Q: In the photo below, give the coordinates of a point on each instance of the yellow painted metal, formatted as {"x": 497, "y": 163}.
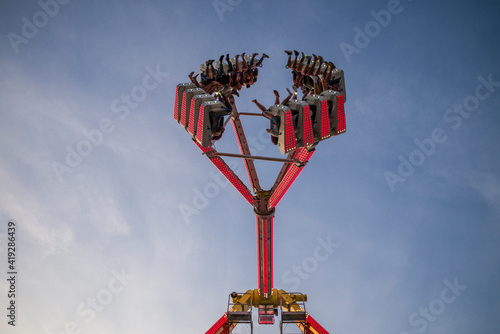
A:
{"x": 274, "y": 299}
{"x": 310, "y": 329}
{"x": 264, "y": 194}
{"x": 241, "y": 303}
{"x": 291, "y": 302}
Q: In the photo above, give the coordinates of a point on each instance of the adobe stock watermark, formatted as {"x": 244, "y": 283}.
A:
{"x": 95, "y": 137}
{"x": 421, "y": 318}
{"x": 373, "y": 28}
{"x": 454, "y": 117}
{"x": 86, "y": 311}
{"x": 30, "y": 28}
{"x": 297, "y": 273}
{"x": 201, "y": 198}
{"x": 222, "y": 6}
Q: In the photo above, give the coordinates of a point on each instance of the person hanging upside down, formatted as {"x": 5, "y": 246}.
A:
{"x": 217, "y": 123}
{"x": 274, "y": 129}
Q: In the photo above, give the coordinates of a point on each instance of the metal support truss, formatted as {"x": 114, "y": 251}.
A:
{"x": 227, "y": 172}
{"x": 245, "y": 150}
{"x": 254, "y": 157}
{"x": 265, "y": 254}
{"x": 265, "y": 298}
{"x": 292, "y": 307}
{"x": 288, "y": 174}
{"x": 221, "y": 326}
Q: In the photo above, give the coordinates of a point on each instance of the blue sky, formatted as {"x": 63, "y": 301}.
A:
{"x": 409, "y": 195}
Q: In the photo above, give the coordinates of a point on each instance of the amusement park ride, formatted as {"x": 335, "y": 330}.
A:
{"x": 302, "y": 124}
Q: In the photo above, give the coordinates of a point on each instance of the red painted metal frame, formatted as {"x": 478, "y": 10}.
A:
{"x": 245, "y": 150}
{"x": 265, "y": 221}
{"x": 325, "y": 120}
{"x": 183, "y": 109}
{"x": 288, "y": 177}
{"x": 266, "y": 315}
{"x": 199, "y": 130}
{"x": 265, "y": 226}
{"x": 312, "y": 326}
{"x": 176, "y": 104}
{"x": 265, "y": 255}
{"x": 307, "y": 126}
{"x": 341, "y": 116}
{"x": 222, "y": 326}
{"x": 290, "y": 143}
{"x": 191, "y": 117}
{"x": 228, "y": 173}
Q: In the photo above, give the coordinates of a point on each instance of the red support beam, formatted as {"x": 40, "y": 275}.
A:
{"x": 245, "y": 150}
{"x": 291, "y": 173}
{"x": 265, "y": 231}
{"x": 312, "y": 326}
{"x": 228, "y": 173}
{"x": 221, "y": 326}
